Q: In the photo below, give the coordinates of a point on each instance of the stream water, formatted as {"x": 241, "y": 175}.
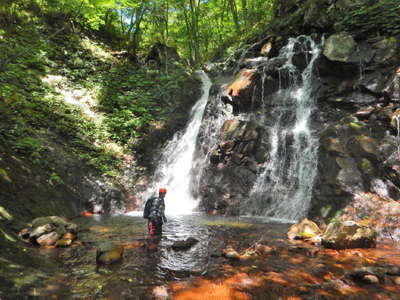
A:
{"x": 150, "y": 267}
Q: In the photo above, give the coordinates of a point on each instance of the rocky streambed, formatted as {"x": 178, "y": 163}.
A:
{"x": 267, "y": 265}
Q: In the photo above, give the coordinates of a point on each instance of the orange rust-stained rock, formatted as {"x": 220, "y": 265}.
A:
{"x": 86, "y": 213}
{"x": 239, "y": 93}
{"x": 397, "y": 280}
{"x": 266, "y": 48}
{"x": 242, "y": 81}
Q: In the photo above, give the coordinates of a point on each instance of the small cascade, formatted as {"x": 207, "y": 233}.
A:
{"x": 174, "y": 171}
{"x": 284, "y": 185}
{"x": 207, "y": 141}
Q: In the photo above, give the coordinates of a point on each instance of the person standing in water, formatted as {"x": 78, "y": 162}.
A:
{"x": 154, "y": 212}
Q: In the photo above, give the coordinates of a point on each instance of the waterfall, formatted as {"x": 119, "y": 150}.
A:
{"x": 175, "y": 170}
{"x": 283, "y": 188}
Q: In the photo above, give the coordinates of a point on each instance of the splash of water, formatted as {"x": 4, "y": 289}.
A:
{"x": 283, "y": 189}
{"x": 174, "y": 171}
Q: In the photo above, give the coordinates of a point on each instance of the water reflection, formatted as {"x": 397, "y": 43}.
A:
{"x": 151, "y": 262}
{"x": 179, "y": 264}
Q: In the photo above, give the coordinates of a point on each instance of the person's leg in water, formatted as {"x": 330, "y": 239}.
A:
{"x": 151, "y": 227}
{"x": 155, "y": 232}
{"x": 158, "y": 228}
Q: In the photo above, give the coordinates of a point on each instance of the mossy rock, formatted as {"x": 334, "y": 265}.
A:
{"x": 366, "y": 166}
{"x": 363, "y": 146}
{"x": 340, "y": 47}
{"x": 63, "y": 243}
{"x": 334, "y": 145}
{"x": 348, "y": 234}
{"x": 387, "y": 50}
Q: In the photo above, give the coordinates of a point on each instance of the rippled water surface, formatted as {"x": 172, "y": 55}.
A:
{"x": 151, "y": 267}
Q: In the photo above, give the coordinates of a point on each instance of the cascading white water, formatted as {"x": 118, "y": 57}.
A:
{"x": 174, "y": 171}
{"x": 283, "y": 189}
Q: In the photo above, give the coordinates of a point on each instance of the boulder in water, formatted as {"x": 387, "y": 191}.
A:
{"x": 348, "y": 234}
{"x": 230, "y": 253}
{"x": 184, "y": 245}
{"x": 303, "y": 230}
{"x": 110, "y": 256}
{"x": 53, "y": 220}
{"x": 46, "y": 231}
{"x": 63, "y": 243}
{"x": 368, "y": 274}
{"x": 48, "y": 239}
{"x": 40, "y": 230}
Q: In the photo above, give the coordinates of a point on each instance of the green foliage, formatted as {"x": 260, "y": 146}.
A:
{"x": 196, "y": 28}
{"x": 30, "y": 145}
{"x": 382, "y": 17}
{"x": 133, "y": 98}
{"x": 33, "y": 114}
{"x": 55, "y": 179}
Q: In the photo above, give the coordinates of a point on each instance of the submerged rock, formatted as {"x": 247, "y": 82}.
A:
{"x": 110, "y": 256}
{"x": 348, "y": 234}
{"x": 184, "y": 245}
{"x": 368, "y": 274}
{"x": 230, "y": 253}
{"x": 265, "y": 250}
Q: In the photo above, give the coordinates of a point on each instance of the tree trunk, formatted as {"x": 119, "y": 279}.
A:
{"x": 235, "y": 15}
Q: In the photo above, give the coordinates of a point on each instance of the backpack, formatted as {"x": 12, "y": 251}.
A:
{"x": 147, "y": 207}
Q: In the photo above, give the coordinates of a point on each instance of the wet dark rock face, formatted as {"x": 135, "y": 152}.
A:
{"x": 233, "y": 168}
{"x": 28, "y": 190}
{"x": 358, "y": 98}
{"x": 240, "y": 145}
{"x": 358, "y": 144}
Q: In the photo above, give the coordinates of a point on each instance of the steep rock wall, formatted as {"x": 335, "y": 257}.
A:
{"x": 357, "y": 89}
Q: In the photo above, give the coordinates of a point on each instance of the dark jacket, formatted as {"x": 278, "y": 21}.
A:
{"x": 157, "y": 210}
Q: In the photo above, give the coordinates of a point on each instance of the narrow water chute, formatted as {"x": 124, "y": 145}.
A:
{"x": 174, "y": 170}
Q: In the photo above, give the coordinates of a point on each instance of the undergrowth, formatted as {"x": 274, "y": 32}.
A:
{"x": 383, "y": 17}
{"x": 34, "y": 114}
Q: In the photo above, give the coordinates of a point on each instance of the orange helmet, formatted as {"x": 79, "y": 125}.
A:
{"x": 162, "y": 190}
